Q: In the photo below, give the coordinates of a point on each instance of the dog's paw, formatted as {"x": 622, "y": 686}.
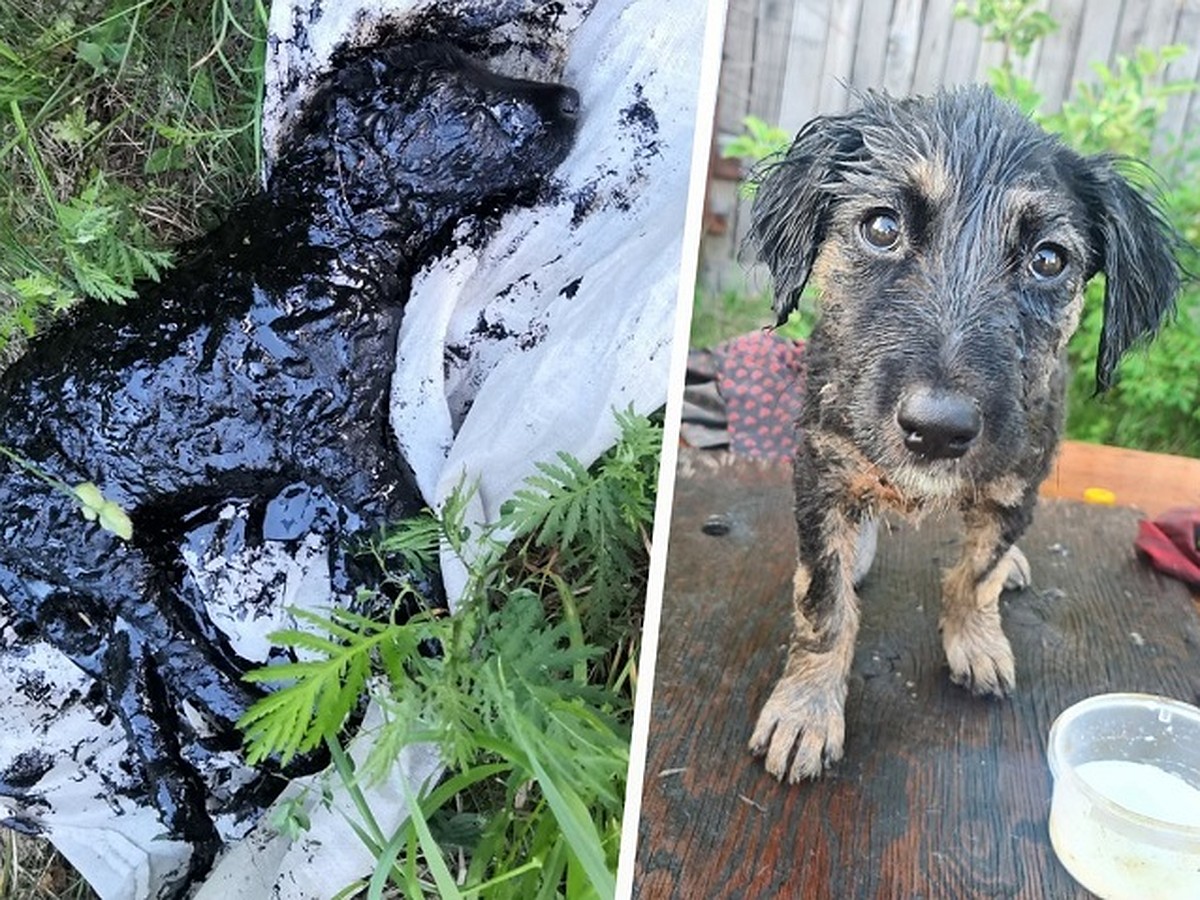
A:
{"x": 980, "y": 657}
{"x": 1019, "y": 576}
{"x": 800, "y": 730}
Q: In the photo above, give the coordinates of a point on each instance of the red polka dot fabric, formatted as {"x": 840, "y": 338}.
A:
{"x": 760, "y": 377}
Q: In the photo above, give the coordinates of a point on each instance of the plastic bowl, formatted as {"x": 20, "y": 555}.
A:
{"x": 1125, "y": 813}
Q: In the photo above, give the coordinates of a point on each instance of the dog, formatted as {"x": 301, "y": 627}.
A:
{"x": 951, "y": 239}
{"x": 257, "y": 372}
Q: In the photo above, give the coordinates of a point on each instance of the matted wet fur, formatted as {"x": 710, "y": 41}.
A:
{"x": 951, "y": 239}
{"x": 257, "y": 373}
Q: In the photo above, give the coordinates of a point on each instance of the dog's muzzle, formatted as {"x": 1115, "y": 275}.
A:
{"x": 938, "y": 424}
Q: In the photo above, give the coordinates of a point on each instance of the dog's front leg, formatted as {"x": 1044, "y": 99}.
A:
{"x": 801, "y": 727}
{"x": 978, "y": 652}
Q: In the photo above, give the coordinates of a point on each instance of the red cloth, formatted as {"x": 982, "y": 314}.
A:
{"x": 760, "y": 376}
{"x": 1171, "y": 543}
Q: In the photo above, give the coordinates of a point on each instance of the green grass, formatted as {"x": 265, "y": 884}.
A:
{"x": 718, "y": 316}
{"x": 126, "y": 127}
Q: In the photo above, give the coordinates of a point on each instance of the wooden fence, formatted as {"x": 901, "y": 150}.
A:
{"x": 785, "y": 61}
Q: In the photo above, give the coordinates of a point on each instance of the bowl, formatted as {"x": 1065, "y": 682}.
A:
{"x": 1125, "y": 812}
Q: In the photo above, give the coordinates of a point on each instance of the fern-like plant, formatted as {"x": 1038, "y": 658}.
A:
{"x": 529, "y": 698}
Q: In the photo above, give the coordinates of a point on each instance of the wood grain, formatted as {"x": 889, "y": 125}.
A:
{"x": 1149, "y": 482}
{"x": 940, "y": 795}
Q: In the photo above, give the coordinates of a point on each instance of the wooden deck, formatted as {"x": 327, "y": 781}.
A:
{"x": 1149, "y": 482}
{"x": 940, "y": 794}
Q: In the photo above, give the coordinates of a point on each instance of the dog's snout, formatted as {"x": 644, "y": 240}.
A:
{"x": 939, "y": 424}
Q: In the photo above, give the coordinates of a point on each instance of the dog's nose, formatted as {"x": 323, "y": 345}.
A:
{"x": 938, "y": 424}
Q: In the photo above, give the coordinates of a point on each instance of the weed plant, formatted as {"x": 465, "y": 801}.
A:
{"x": 529, "y": 697}
{"x": 126, "y": 127}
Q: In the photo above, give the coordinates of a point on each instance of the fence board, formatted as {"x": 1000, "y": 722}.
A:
{"x": 962, "y": 54}
{"x": 1097, "y": 36}
{"x": 1186, "y": 68}
{"x": 870, "y": 51}
{"x": 839, "y": 55}
{"x": 805, "y": 63}
{"x": 935, "y": 43}
{"x": 903, "y": 41}
{"x": 1150, "y": 23}
{"x": 770, "y": 58}
{"x": 1056, "y": 65}
{"x": 737, "y": 62}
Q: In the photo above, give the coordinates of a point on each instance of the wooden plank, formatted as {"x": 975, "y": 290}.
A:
{"x": 737, "y": 62}
{"x": 770, "y": 58}
{"x": 934, "y": 45}
{"x": 1097, "y": 36}
{"x": 1149, "y": 24}
{"x": 991, "y": 56}
{"x": 805, "y": 63}
{"x": 940, "y": 794}
{"x": 1186, "y": 68}
{"x": 962, "y": 56}
{"x": 903, "y": 40}
{"x": 1152, "y": 28}
{"x": 870, "y": 51}
{"x": 1026, "y": 66}
{"x": 839, "y": 55}
{"x": 1150, "y": 482}
{"x": 1056, "y": 64}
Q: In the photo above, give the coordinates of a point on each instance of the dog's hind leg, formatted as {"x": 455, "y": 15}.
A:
{"x": 979, "y": 654}
{"x": 802, "y": 725}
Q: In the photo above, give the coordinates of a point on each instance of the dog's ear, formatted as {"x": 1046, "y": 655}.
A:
{"x": 1137, "y": 249}
{"x": 791, "y": 208}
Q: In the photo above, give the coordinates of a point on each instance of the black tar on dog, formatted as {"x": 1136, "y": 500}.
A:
{"x": 259, "y": 371}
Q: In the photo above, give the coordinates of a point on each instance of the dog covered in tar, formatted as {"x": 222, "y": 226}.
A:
{"x": 258, "y": 372}
{"x": 951, "y": 239}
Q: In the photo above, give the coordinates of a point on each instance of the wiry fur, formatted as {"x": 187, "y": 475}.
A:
{"x": 955, "y": 308}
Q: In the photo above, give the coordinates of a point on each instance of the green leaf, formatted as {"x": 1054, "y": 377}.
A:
{"x": 94, "y": 507}
{"x": 93, "y": 55}
{"x": 166, "y": 159}
{"x": 114, "y": 519}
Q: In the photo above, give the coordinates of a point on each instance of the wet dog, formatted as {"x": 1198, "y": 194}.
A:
{"x": 258, "y": 372}
{"x": 951, "y": 239}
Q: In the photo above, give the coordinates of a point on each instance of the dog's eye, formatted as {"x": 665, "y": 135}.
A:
{"x": 880, "y": 229}
{"x": 1048, "y": 261}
